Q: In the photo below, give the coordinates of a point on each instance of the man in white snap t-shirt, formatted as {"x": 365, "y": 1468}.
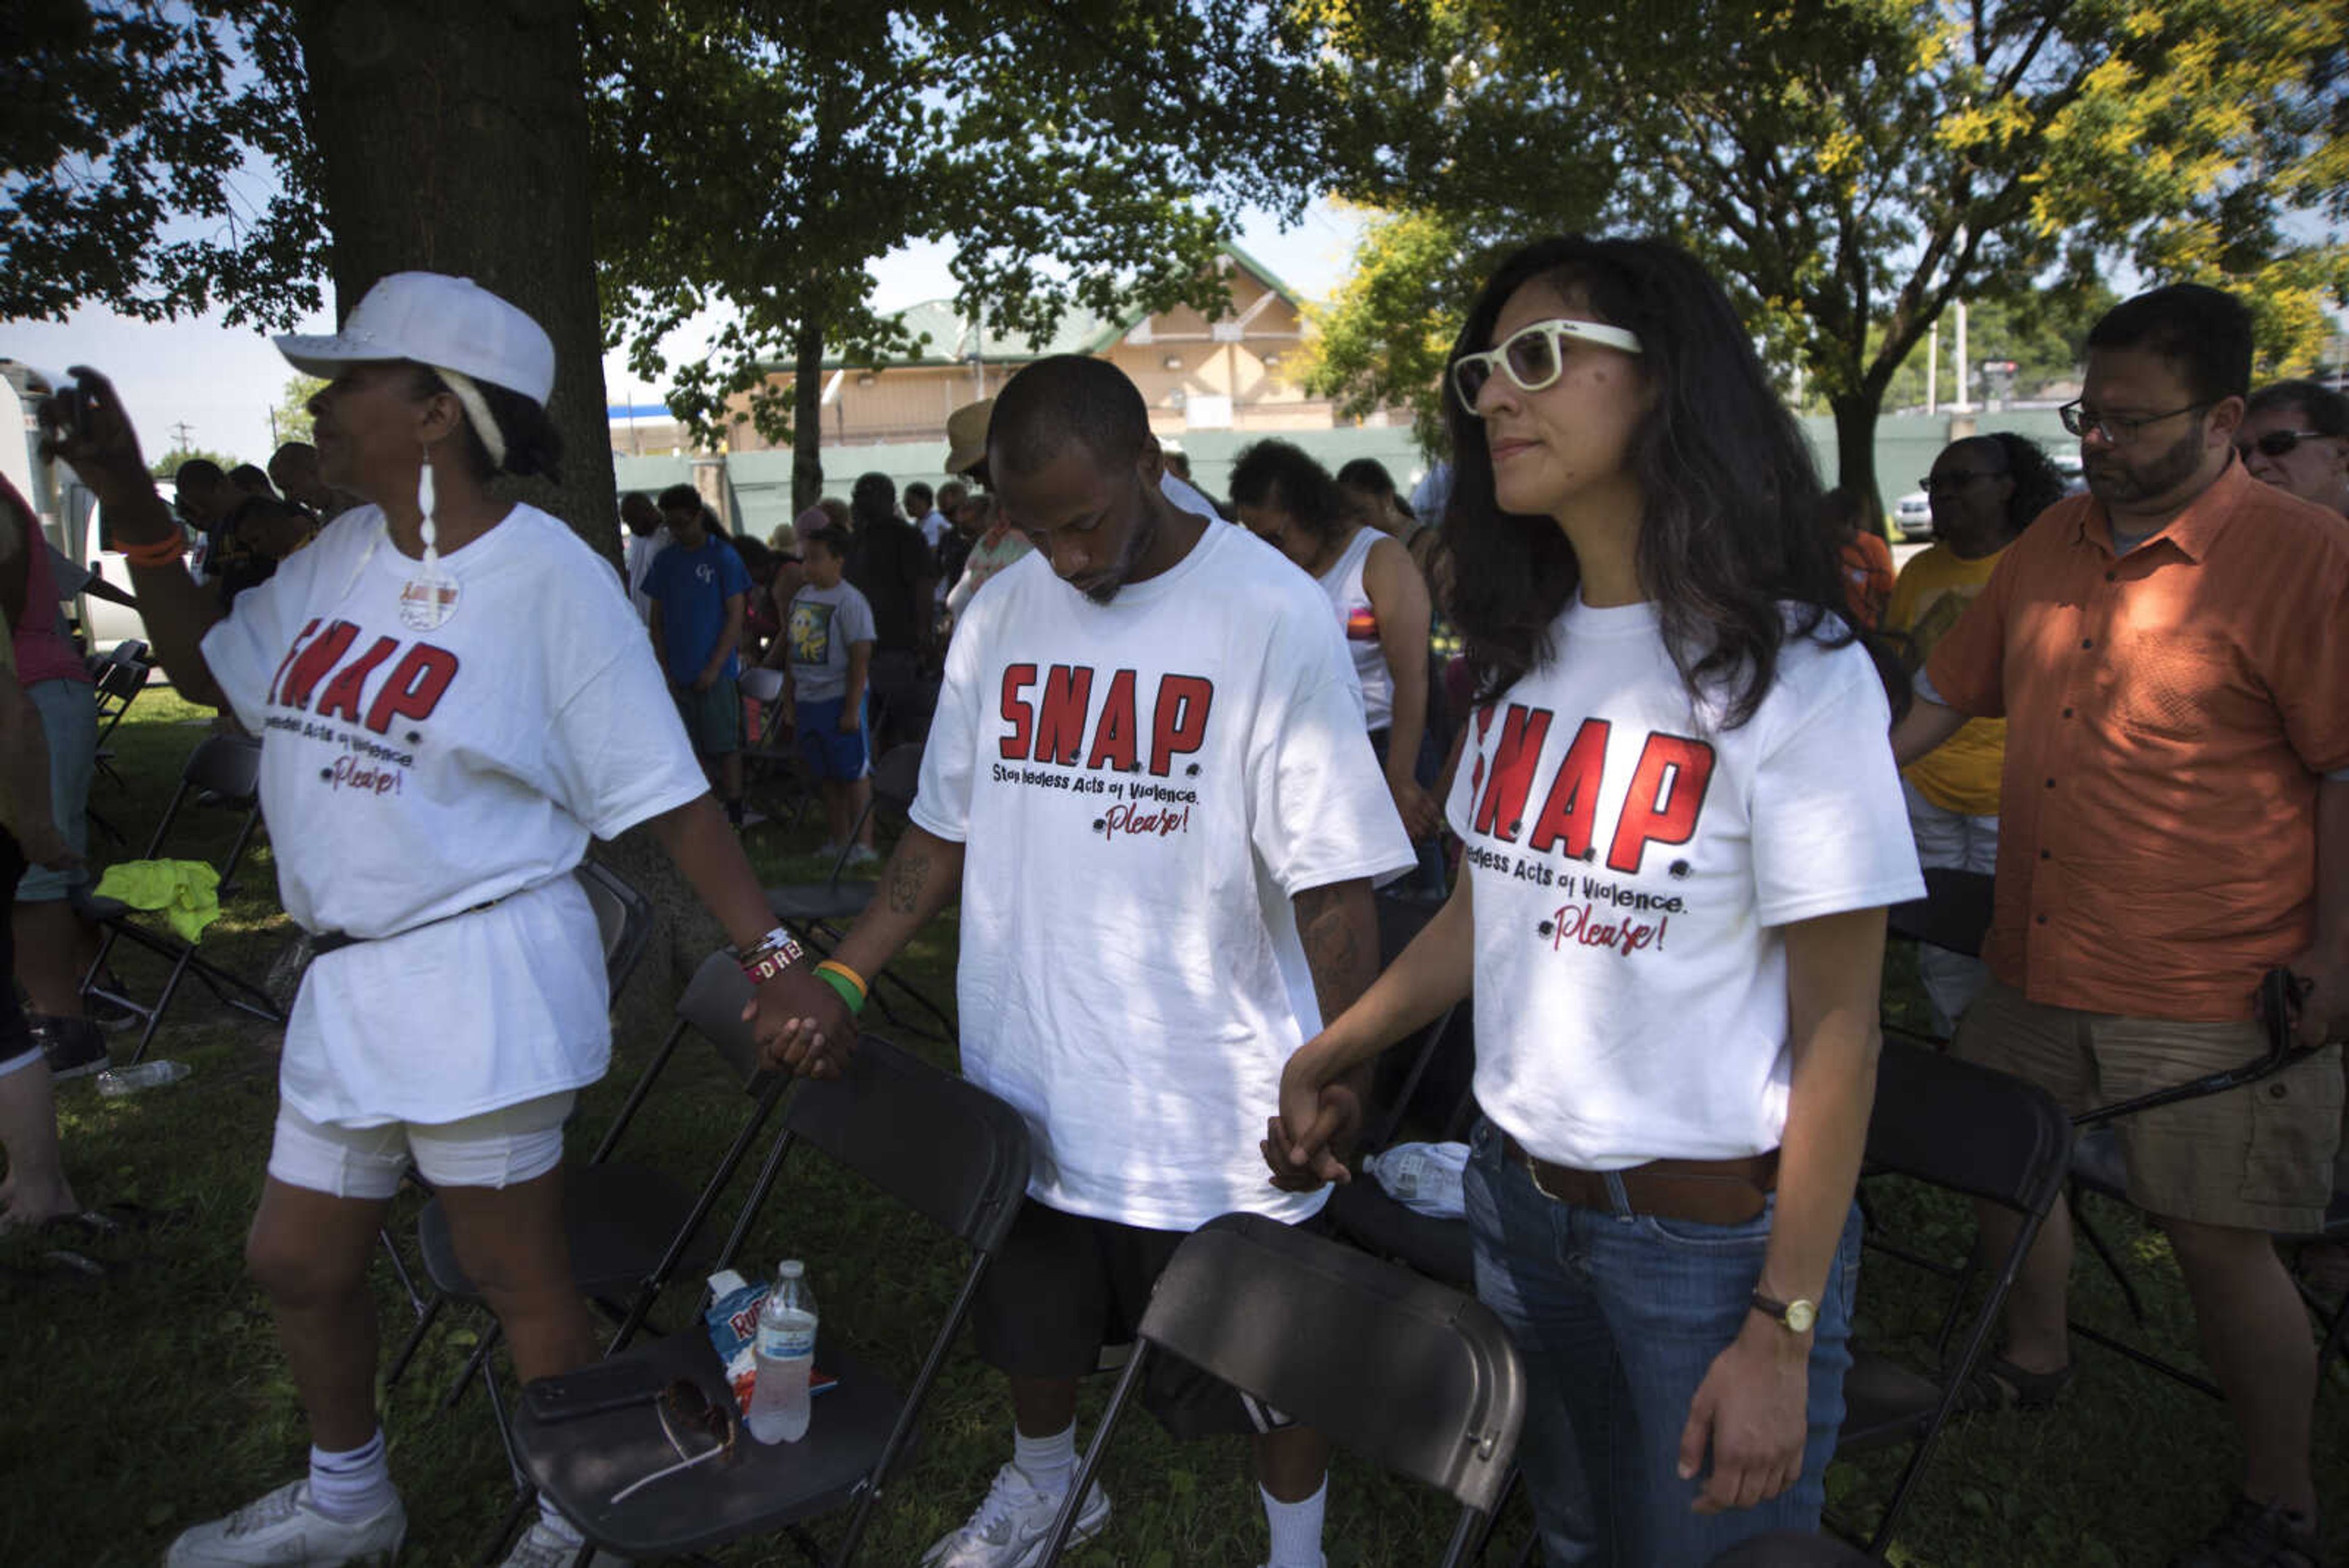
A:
{"x": 1149, "y": 784}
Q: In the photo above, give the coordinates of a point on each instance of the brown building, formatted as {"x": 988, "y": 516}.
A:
{"x": 1196, "y": 375}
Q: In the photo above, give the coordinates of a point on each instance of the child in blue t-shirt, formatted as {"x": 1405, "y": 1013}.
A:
{"x": 697, "y": 587}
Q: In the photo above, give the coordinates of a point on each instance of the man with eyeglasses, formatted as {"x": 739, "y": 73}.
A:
{"x": 2168, "y": 653}
{"x": 2295, "y": 436}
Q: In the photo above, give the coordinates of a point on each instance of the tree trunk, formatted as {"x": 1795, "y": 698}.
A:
{"x": 452, "y": 137}
{"x": 807, "y": 414}
{"x": 1855, "y": 423}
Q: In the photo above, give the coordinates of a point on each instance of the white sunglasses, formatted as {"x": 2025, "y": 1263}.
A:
{"x": 1532, "y": 357}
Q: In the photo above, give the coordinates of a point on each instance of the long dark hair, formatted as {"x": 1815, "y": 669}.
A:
{"x": 1730, "y": 545}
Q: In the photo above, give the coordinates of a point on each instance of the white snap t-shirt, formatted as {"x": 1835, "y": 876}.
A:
{"x": 1140, "y": 788}
{"x": 408, "y": 775}
{"x": 1633, "y": 862}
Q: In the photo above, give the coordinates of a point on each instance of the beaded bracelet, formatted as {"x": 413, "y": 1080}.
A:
{"x": 773, "y": 955}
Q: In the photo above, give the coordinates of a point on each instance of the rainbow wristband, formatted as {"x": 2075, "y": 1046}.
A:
{"x": 840, "y": 982}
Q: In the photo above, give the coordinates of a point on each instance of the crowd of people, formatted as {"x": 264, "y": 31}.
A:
{"x": 1699, "y": 740}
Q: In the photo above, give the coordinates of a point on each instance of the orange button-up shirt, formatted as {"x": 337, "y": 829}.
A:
{"x": 2170, "y": 715}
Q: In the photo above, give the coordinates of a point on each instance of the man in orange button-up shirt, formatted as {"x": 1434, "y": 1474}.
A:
{"x": 2170, "y": 654}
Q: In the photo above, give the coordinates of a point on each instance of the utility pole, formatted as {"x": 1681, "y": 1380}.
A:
{"x": 179, "y": 434}
{"x": 1933, "y": 367}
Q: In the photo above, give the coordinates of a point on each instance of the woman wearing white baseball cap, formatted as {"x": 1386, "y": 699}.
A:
{"x": 453, "y": 694}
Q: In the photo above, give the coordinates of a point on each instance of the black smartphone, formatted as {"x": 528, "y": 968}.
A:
{"x": 592, "y": 1390}
{"x": 68, "y": 410}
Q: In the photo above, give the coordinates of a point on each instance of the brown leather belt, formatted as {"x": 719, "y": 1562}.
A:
{"x": 1706, "y": 1192}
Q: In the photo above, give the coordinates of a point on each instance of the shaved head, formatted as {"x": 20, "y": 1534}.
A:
{"x": 1066, "y": 401}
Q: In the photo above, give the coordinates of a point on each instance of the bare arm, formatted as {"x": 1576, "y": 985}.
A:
{"x": 1399, "y": 598}
{"x": 922, "y": 876}
{"x": 706, "y": 848}
{"x": 1750, "y": 1409}
{"x": 24, "y": 775}
{"x": 2325, "y": 1010}
{"x": 729, "y": 637}
{"x": 1926, "y": 725}
{"x": 1429, "y": 975}
{"x": 860, "y": 661}
{"x": 176, "y": 608}
{"x": 1339, "y": 928}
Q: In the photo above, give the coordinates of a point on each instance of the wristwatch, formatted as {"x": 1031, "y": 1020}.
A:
{"x": 1798, "y": 1315}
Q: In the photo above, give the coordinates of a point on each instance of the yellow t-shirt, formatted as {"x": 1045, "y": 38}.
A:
{"x": 1934, "y": 588}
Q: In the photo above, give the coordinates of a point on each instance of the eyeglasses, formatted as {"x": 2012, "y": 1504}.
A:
{"x": 2116, "y": 427}
{"x": 1534, "y": 356}
{"x": 686, "y": 1411}
{"x": 2276, "y": 443}
{"x": 1957, "y": 479}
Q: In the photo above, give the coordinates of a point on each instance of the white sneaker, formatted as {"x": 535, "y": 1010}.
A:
{"x": 863, "y": 855}
{"x": 1010, "y": 1528}
{"x": 541, "y": 1547}
{"x": 282, "y": 1529}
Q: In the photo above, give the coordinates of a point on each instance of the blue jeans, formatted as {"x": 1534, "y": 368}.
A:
{"x": 1617, "y": 1316}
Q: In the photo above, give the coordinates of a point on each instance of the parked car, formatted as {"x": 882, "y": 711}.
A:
{"x": 1913, "y": 515}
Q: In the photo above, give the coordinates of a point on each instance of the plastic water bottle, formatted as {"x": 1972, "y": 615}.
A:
{"x": 117, "y": 1082}
{"x": 786, "y": 1355}
{"x": 1426, "y": 1177}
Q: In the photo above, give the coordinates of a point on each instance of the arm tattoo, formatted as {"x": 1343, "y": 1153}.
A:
{"x": 907, "y": 873}
{"x": 1332, "y": 924}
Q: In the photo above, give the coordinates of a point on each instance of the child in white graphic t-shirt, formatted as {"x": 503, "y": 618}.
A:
{"x": 1682, "y": 826}
{"x": 453, "y": 694}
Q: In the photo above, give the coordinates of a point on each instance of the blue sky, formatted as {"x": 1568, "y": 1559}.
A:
{"x": 222, "y": 383}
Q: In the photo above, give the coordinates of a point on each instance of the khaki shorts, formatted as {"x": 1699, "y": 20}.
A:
{"x": 2255, "y": 1158}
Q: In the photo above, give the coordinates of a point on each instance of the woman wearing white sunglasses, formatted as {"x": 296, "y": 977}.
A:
{"x": 1682, "y": 825}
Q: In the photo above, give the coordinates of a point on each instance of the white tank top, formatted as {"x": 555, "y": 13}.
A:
{"x": 1343, "y": 583}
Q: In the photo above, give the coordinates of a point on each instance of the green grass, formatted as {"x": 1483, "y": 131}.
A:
{"x": 158, "y": 1399}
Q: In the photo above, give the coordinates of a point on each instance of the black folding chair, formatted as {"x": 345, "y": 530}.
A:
{"x": 222, "y": 774}
{"x": 946, "y": 1150}
{"x": 820, "y": 912}
{"x": 1954, "y": 915}
{"x": 1967, "y": 1130}
{"x": 630, "y": 1229}
{"x": 1416, "y": 1377}
{"x": 2099, "y": 1167}
{"x": 119, "y": 677}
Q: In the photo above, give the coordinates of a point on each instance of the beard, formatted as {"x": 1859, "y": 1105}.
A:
{"x": 1102, "y": 588}
{"x": 2113, "y": 478}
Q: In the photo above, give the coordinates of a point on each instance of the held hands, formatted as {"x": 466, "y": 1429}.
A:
{"x": 100, "y": 446}
{"x": 801, "y": 1024}
{"x": 1306, "y": 1145}
{"x": 1420, "y": 815}
{"x": 1752, "y": 1410}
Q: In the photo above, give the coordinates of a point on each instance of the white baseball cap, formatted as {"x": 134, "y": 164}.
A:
{"x": 448, "y": 323}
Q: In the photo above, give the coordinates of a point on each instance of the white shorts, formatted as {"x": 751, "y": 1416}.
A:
{"x": 497, "y": 1149}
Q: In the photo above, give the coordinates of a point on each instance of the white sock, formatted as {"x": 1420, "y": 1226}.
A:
{"x": 558, "y": 1524}
{"x": 1296, "y": 1528}
{"x": 353, "y": 1486}
{"x": 1049, "y": 1463}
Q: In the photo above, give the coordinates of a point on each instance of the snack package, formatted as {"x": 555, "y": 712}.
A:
{"x": 733, "y": 1319}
